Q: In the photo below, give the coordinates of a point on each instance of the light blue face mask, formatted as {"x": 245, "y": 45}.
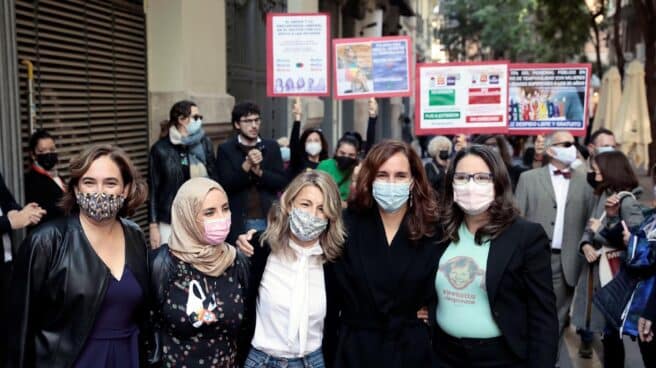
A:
{"x": 285, "y": 153}
{"x": 604, "y": 149}
{"x": 194, "y": 126}
{"x": 391, "y": 196}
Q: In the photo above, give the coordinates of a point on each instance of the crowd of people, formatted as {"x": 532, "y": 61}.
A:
{"x": 280, "y": 254}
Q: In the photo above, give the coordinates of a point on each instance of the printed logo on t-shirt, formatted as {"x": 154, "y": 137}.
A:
{"x": 466, "y": 278}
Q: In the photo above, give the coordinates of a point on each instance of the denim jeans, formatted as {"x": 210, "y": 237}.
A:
{"x": 260, "y": 359}
{"x": 257, "y": 224}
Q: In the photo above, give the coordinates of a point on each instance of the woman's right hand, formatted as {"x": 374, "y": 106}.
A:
{"x": 590, "y": 253}
{"x": 297, "y": 110}
{"x": 243, "y": 242}
{"x": 154, "y": 236}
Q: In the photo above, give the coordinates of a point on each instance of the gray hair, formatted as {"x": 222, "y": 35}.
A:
{"x": 437, "y": 144}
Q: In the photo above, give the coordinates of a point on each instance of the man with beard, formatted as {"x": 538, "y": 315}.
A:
{"x": 250, "y": 169}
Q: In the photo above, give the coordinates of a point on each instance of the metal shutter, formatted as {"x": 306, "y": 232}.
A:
{"x": 90, "y": 78}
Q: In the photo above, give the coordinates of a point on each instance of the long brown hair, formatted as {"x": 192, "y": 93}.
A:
{"x": 137, "y": 192}
{"x": 617, "y": 173}
{"x": 502, "y": 212}
{"x": 422, "y": 214}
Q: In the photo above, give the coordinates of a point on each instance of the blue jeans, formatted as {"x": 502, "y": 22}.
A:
{"x": 257, "y": 224}
{"x": 260, "y": 359}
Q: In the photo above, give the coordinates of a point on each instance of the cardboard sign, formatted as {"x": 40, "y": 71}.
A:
{"x": 372, "y": 67}
{"x": 456, "y": 98}
{"x": 298, "y": 50}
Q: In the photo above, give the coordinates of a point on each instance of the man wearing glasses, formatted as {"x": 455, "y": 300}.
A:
{"x": 250, "y": 169}
{"x": 559, "y": 199}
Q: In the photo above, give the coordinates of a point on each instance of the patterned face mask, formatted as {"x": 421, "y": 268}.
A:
{"x": 305, "y": 226}
{"x": 100, "y": 206}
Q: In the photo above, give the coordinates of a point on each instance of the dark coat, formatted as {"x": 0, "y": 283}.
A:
{"x": 43, "y": 190}
{"x": 163, "y": 270}
{"x": 520, "y": 291}
{"x": 258, "y": 263}
{"x": 382, "y": 287}
{"x": 58, "y": 287}
{"x": 237, "y": 183}
{"x": 7, "y": 203}
{"x": 168, "y": 169}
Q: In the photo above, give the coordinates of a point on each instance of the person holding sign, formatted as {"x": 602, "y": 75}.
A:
{"x": 343, "y": 165}
{"x": 307, "y": 151}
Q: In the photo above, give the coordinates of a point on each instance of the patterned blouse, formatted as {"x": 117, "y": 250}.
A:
{"x": 201, "y": 318}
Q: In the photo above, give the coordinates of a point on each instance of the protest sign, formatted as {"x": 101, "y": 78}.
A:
{"x": 298, "y": 49}
{"x": 548, "y": 97}
{"x": 372, "y": 67}
{"x": 456, "y": 98}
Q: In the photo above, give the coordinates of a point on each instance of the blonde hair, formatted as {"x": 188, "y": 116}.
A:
{"x": 437, "y": 144}
{"x": 331, "y": 240}
{"x": 283, "y": 141}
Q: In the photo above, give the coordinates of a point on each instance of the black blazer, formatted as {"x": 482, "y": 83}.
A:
{"x": 258, "y": 263}
{"x": 58, "y": 287}
{"x": 168, "y": 169}
{"x": 237, "y": 183}
{"x": 381, "y": 288}
{"x": 45, "y": 192}
{"x": 520, "y": 292}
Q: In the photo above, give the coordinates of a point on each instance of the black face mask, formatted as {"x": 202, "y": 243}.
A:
{"x": 47, "y": 160}
{"x": 591, "y": 179}
{"x": 345, "y": 163}
{"x": 444, "y": 155}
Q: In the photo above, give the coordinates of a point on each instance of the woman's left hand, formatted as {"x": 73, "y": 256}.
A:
{"x": 612, "y": 206}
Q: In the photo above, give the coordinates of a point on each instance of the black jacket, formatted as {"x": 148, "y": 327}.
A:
{"x": 258, "y": 264}
{"x": 163, "y": 269}
{"x": 381, "y": 288}
{"x": 436, "y": 174}
{"x": 7, "y": 203}
{"x": 237, "y": 183}
{"x": 45, "y": 192}
{"x": 168, "y": 169}
{"x": 58, "y": 287}
{"x": 520, "y": 292}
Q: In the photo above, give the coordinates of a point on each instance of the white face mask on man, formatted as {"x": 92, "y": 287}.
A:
{"x": 566, "y": 155}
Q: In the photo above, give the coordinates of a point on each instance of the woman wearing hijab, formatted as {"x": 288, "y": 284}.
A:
{"x": 183, "y": 152}
{"x": 199, "y": 282}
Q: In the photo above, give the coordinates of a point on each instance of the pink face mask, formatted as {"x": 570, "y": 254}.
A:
{"x": 473, "y": 198}
{"x": 216, "y": 231}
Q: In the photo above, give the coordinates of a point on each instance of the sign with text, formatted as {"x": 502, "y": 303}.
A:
{"x": 548, "y": 97}
{"x": 298, "y": 49}
{"x": 372, "y": 67}
{"x": 459, "y": 98}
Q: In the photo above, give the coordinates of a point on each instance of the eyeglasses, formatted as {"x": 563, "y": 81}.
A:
{"x": 196, "y": 117}
{"x": 479, "y": 178}
{"x": 254, "y": 121}
{"x": 564, "y": 144}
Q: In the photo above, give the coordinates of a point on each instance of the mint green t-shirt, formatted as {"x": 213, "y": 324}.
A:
{"x": 463, "y": 308}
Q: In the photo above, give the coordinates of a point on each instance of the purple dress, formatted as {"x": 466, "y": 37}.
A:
{"x": 113, "y": 341}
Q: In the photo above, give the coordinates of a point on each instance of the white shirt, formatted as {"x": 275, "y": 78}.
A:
{"x": 291, "y": 306}
{"x": 561, "y": 187}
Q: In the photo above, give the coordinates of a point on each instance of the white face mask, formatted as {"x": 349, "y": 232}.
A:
{"x": 313, "y": 148}
{"x": 576, "y": 164}
{"x": 564, "y": 155}
{"x": 473, "y": 198}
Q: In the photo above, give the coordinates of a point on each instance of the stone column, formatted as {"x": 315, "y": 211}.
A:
{"x": 187, "y": 60}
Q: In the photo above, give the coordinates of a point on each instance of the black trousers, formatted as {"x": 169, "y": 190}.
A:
{"x": 5, "y": 280}
{"x": 453, "y": 352}
{"x": 614, "y": 350}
